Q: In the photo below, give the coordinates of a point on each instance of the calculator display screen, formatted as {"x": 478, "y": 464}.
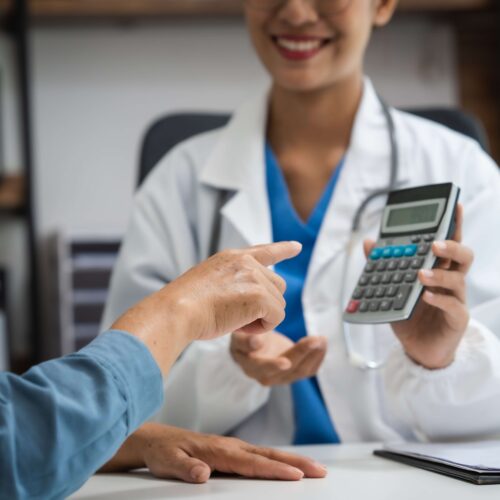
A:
{"x": 413, "y": 215}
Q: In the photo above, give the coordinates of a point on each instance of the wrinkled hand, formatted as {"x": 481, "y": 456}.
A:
{"x": 273, "y": 359}
{"x": 175, "y": 453}
{"x": 231, "y": 291}
{"x": 235, "y": 291}
{"x": 433, "y": 333}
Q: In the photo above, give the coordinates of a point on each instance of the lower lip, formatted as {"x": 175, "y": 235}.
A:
{"x": 296, "y": 55}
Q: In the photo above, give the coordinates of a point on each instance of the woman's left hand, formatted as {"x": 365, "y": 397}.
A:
{"x": 433, "y": 333}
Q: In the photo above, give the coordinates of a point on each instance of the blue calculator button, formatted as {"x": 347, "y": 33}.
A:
{"x": 376, "y": 253}
{"x": 387, "y": 252}
{"x": 410, "y": 250}
{"x": 398, "y": 251}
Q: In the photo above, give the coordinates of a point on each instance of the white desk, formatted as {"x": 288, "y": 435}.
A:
{"x": 353, "y": 473}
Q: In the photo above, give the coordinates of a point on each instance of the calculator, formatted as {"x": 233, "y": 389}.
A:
{"x": 388, "y": 289}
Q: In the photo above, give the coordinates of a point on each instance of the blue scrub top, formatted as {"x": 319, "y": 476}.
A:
{"x": 312, "y": 421}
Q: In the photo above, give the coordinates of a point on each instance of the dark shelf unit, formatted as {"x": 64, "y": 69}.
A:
{"x": 19, "y": 197}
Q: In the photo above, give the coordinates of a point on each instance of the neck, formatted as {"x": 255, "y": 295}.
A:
{"x": 319, "y": 120}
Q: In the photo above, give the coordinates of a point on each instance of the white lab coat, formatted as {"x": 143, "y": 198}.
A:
{"x": 170, "y": 231}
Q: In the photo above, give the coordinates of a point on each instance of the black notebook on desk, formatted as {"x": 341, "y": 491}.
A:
{"x": 477, "y": 462}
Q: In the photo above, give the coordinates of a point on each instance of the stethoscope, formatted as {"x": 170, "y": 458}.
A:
{"x": 354, "y": 358}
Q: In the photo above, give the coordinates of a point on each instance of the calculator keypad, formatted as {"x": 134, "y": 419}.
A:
{"x": 389, "y": 276}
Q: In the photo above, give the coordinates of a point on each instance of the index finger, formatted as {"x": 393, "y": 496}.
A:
{"x": 271, "y": 254}
{"x": 459, "y": 219}
{"x": 460, "y": 255}
{"x": 309, "y": 467}
{"x": 249, "y": 464}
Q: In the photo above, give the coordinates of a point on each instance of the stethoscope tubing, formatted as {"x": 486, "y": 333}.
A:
{"x": 356, "y": 359}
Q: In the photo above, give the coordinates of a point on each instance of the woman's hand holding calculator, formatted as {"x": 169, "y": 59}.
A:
{"x": 433, "y": 333}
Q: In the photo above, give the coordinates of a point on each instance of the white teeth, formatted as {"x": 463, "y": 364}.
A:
{"x": 299, "y": 46}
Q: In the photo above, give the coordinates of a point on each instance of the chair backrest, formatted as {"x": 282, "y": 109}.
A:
{"x": 170, "y": 130}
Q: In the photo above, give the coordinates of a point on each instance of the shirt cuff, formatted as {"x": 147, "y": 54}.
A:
{"x": 135, "y": 371}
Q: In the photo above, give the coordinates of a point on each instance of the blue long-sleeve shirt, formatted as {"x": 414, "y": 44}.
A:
{"x": 65, "y": 418}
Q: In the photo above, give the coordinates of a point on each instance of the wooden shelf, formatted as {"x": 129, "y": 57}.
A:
{"x": 131, "y": 9}
{"x": 443, "y": 5}
{"x": 12, "y": 195}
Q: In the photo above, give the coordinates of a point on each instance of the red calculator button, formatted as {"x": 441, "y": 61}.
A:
{"x": 353, "y": 306}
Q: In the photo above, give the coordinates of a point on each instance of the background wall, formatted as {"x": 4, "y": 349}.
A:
{"x": 96, "y": 88}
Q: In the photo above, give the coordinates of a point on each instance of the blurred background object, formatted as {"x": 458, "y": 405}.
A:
{"x": 4, "y": 356}
{"x": 79, "y": 274}
{"x": 90, "y": 76}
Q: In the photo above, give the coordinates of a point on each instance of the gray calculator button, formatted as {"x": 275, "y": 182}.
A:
{"x": 376, "y": 279}
{"x": 369, "y": 293}
{"x": 429, "y": 237}
{"x": 358, "y": 293}
{"x": 417, "y": 263}
{"x": 392, "y": 291}
{"x": 410, "y": 276}
{"x": 374, "y": 306}
{"x": 397, "y": 277}
{"x": 402, "y": 297}
{"x": 380, "y": 292}
{"x": 363, "y": 307}
{"x": 404, "y": 264}
{"x": 423, "y": 249}
{"x": 382, "y": 265}
{"x": 364, "y": 280}
{"x": 386, "y": 278}
{"x": 371, "y": 265}
{"x": 393, "y": 265}
{"x": 385, "y": 305}
{"x": 416, "y": 239}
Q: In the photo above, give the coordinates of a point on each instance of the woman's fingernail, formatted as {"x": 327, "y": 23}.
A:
{"x": 440, "y": 245}
{"x": 427, "y": 273}
{"x": 429, "y": 295}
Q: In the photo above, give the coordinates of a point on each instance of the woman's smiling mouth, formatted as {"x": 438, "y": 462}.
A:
{"x": 299, "y": 47}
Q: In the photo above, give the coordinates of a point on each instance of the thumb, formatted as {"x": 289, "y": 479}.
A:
{"x": 186, "y": 468}
{"x": 368, "y": 246}
{"x": 271, "y": 254}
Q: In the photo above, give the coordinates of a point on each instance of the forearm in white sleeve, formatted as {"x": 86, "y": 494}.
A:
{"x": 461, "y": 401}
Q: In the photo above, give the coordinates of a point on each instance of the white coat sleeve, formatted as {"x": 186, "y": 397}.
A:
{"x": 161, "y": 243}
{"x": 463, "y": 400}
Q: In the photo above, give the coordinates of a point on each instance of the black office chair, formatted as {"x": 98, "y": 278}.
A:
{"x": 170, "y": 130}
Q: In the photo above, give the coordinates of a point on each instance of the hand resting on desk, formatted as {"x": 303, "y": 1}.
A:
{"x": 173, "y": 453}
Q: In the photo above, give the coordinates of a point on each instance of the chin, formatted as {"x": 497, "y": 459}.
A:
{"x": 301, "y": 83}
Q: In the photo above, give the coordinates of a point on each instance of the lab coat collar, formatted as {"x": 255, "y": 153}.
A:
{"x": 242, "y": 140}
{"x": 237, "y": 163}
{"x": 244, "y": 137}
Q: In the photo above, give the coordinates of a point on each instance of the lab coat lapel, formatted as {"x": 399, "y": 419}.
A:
{"x": 237, "y": 165}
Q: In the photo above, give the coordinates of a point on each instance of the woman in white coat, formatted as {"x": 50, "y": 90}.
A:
{"x": 302, "y": 157}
